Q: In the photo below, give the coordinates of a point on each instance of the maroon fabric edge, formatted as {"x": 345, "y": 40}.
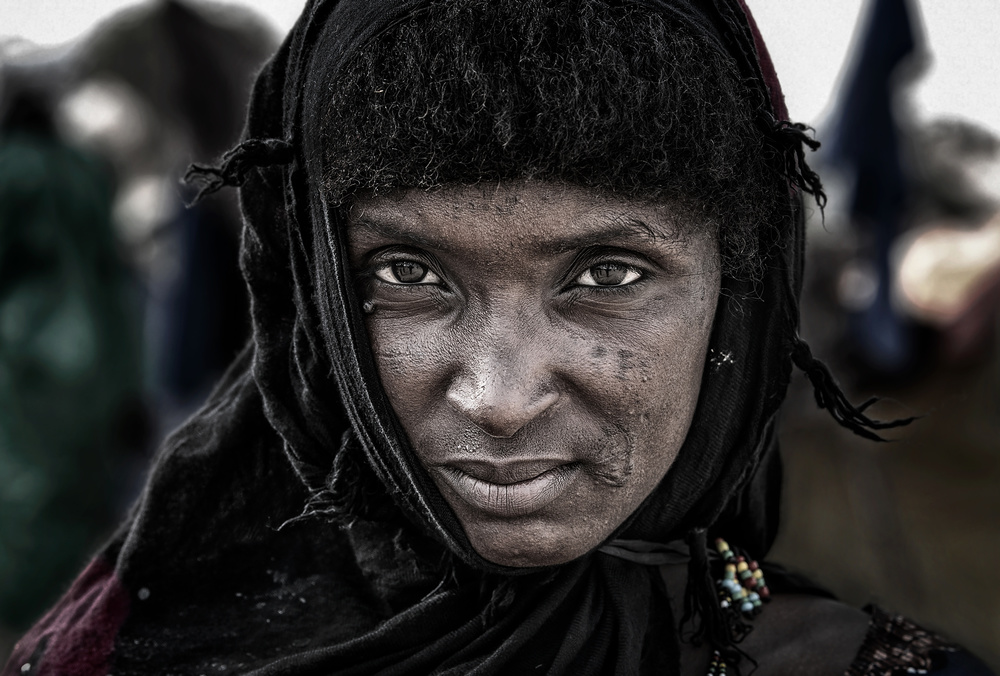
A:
{"x": 766, "y": 66}
{"x": 77, "y": 636}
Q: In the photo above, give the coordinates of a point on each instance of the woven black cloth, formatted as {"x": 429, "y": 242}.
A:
{"x": 289, "y": 529}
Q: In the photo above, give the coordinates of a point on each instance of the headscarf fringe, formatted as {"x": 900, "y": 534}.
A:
{"x": 501, "y": 597}
{"x": 236, "y": 164}
{"x": 792, "y": 139}
{"x": 829, "y": 396}
{"x": 346, "y": 495}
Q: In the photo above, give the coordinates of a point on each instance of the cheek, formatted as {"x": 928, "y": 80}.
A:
{"x": 650, "y": 401}
{"x": 411, "y": 360}
{"x": 647, "y": 380}
{"x": 653, "y": 361}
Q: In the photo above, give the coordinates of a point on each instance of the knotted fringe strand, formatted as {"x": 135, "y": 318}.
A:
{"x": 350, "y": 491}
{"x": 236, "y": 164}
{"x": 829, "y": 396}
{"x": 792, "y": 139}
{"x": 710, "y": 622}
{"x": 700, "y": 593}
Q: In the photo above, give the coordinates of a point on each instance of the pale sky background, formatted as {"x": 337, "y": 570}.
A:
{"x": 808, "y": 39}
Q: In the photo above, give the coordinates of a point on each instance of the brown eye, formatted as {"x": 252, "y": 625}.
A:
{"x": 406, "y": 272}
{"x": 608, "y": 274}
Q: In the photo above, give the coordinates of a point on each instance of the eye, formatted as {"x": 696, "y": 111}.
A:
{"x": 406, "y": 272}
{"x": 608, "y": 274}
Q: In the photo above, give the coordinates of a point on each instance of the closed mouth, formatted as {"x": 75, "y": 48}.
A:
{"x": 508, "y": 491}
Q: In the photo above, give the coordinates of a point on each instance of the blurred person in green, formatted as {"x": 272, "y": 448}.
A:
{"x": 69, "y": 360}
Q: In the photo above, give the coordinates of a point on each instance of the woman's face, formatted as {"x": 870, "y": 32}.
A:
{"x": 542, "y": 346}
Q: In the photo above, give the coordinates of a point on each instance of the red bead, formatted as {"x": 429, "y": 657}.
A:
{"x": 740, "y": 559}
{"x": 753, "y": 565}
{"x": 764, "y": 593}
{"x": 751, "y": 583}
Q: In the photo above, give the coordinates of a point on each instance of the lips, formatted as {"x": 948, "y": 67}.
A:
{"x": 508, "y": 490}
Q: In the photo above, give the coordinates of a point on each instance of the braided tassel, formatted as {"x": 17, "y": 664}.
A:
{"x": 236, "y": 164}
{"x": 792, "y": 138}
{"x": 719, "y": 628}
{"x": 829, "y": 396}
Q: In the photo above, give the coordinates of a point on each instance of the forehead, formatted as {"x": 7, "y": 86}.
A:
{"x": 545, "y": 217}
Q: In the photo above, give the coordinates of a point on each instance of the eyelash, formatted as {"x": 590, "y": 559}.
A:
{"x": 595, "y": 257}
{"x": 387, "y": 267}
{"x": 573, "y": 285}
{"x": 630, "y": 270}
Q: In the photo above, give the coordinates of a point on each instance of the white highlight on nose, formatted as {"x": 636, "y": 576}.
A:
{"x": 503, "y": 390}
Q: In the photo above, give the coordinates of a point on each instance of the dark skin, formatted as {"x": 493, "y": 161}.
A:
{"x": 542, "y": 346}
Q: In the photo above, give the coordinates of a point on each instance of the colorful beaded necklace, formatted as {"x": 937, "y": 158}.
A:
{"x": 742, "y": 585}
{"x": 741, "y": 588}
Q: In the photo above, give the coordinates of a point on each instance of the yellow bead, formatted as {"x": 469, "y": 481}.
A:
{"x": 758, "y": 573}
{"x": 742, "y": 566}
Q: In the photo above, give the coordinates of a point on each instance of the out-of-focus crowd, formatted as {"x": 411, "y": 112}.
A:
{"x": 119, "y": 306}
{"x": 901, "y": 297}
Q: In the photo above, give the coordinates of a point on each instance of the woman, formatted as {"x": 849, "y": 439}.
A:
{"x": 524, "y": 285}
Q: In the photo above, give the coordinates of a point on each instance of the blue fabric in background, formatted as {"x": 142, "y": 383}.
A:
{"x": 866, "y": 146}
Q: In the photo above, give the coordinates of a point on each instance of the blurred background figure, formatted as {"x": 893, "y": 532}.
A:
{"x": 947, "y": 266}
{"x": 864, "y": 143}
{"x": 178, "y": 75}
{"x": 902, "y": 297}
{"x": 69, "y": 358}
{"x": 900, "y": 268}
{"x": 119, "y": 307}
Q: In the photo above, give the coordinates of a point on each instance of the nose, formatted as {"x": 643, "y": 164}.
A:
{"x": 503, "y": 384}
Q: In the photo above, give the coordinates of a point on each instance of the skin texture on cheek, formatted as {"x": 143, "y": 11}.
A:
{"x": 542, "y": 347}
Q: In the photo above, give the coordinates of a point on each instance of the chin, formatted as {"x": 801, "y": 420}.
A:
{"x": 529, "y": 543}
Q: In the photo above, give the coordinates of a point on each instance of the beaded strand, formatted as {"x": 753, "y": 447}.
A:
{"x": 718, "y": 665}
{"x": 742, "y": 590}
{"x": 742, "y": 586}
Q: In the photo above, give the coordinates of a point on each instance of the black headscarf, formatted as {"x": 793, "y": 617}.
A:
{"x": 288, "y": 528}
{"x": 294, "y": 249}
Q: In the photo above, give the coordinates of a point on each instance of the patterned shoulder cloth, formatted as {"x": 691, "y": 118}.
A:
{"x": 895, "y": 646}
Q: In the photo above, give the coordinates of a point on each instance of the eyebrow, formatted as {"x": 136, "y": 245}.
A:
{"x": 612, "y": 230}
{"x": 391, "y": 229}
{"x": 617, "y": 229}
